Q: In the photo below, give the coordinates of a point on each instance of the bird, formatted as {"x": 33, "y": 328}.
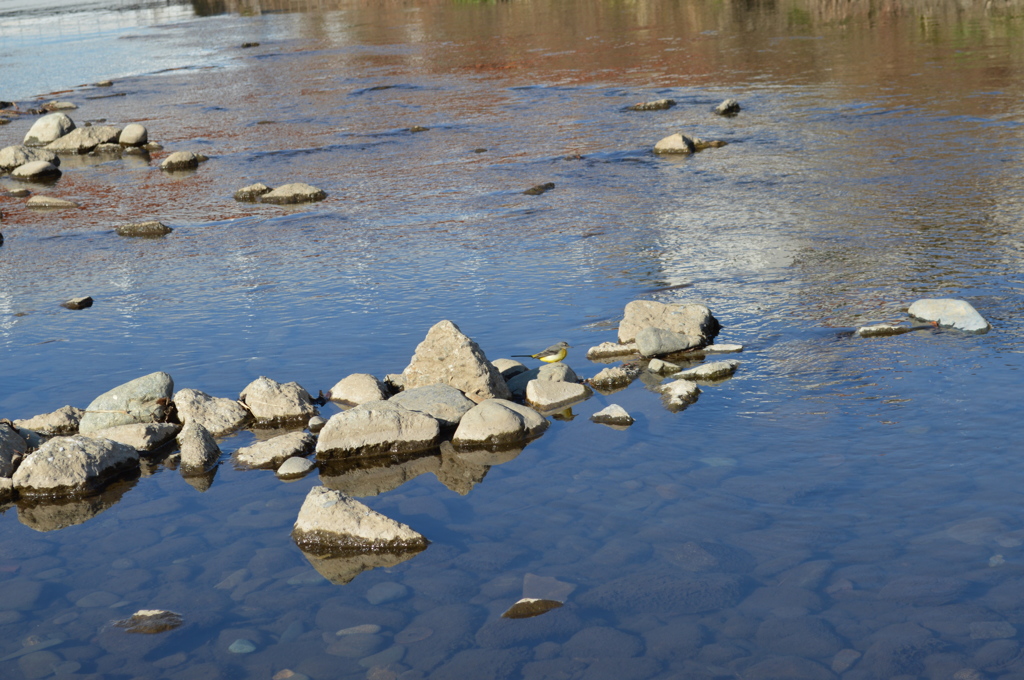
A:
{"x": 551, "y": 355}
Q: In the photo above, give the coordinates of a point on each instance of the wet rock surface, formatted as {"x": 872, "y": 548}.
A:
{"x": 715, "y": 370}
{"x": 150, "y": 229}
{"x": 252, "y": 192}
{"x": 50, "y": 202}
{"x": 330, "y": 523}
{"x": 729, "y": 107}
{"x": 613, "y": 414}
{"x": 48, "y": 129}
{"x": 656, "y": 105}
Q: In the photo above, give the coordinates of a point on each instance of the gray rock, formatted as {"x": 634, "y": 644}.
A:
{"x": 653, "y": 342}
{"x": 272, "y": 402}
{"x": 199, "y": 452}
{"x": 252, "y": 193}
{"x": 107, "y": 149}
{"x": 656, "y": 105}
{"x": 950, "y": 312}
{"x": 609, "y": 350}
{"x": 150, "y": 229}
{"x": 662, "y": 367}
{"x": 442, "y": 402}
{"x": 557, "y": 372}
{"x": 882, "y": 330}
{"x": 448, "y": 357}
{"x": 358, "y": 388}
{"x": 78, "y": 303}
{"x": 139, "y": 436}
{"x": 133, "y": 134}
{"x": 182, "y": 160}
{"x": 547, "y": 395}
{"x": 83, "y": 140}
{"x": 59, "y": 106}
{"x": 150, "y": 621}
{"x": 330, "y": 523}
{"x": 218, "y": 415}
{"x": 692, "y": 320}
{"x": 36, "y": 170}
{"x": 509, "y": 368}
{"x": 729, "y": 107}
{"x": 612, "y": 377}
{"x": 316, "y": 423}
{"x": 13, "y": 156}
{"x": 71, "y": 466}
{"x": 715, "y": 370}
{"x": 295, "y": 467}
{"x": 297, "y": 192}
{"x": 143, "y": 400}
{"x": 12, "y": 448}
{"x": 63, "y": 421}
{"x": 377, "y": 428}
{"x": 48, "y": 129}
{"x": 40, "y": 201}
{"x": 613, "y": 414}
{"x": 498, "y": 423}
{"x": 273, "y": 452}
{"x": 675, "y": 144}
{"x": 725, "y": 348}
{"x": 680, "y": 392}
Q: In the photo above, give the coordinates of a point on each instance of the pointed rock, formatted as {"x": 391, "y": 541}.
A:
{"x": 448, "y": 357}
{"x": 199, "y": 451}
{"x": 613, "y": 414}
{"x": 330, "y": 523}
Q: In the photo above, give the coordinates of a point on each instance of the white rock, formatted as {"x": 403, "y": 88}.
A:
{"x": 547, "y": 395}
{"x": 498, "y": 423}
{"x": 199, "y": 451}
{"x": 275, "y": 451}
{"x": 296, "y": 192}
{"x": 357, "y": 389}
{"x": 83, "y": 140}
{"x": 139, "y": 436}
{"x": 613, "y": 414}
{"x": 272, "y": 402}
{"x": 40, "y": 201}
{"x": 217, "y": 414}
{"x": 69, "y": 466}
{"x": 724, "y": 348}
{"x": 331, "y": 523}
{"x": 715, "y": 370}
{"x": 695, "y": 321}
{"x": 377, "y": 428}
{"x": 608, "y": 350}
{"x": 662, "y": 367}
{"x": 448, "y": 357}
{"x": 680, "y": 392}
{"x": 182, "y": 160}
{"x": 675, "y": 144}
{"x": 36, "y": 170}
{"x": 133, "y": 134}
{"x": 63, "y": 421}
{"x": 48, "y": 129}
{"x": 950, "y": 312}
{"x": 295, "y": 467}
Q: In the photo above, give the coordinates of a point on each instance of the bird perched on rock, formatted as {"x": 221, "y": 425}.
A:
{"x": 551, "y": 355}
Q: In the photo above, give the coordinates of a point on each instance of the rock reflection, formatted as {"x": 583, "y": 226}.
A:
{"x": 340, "y": 570}
{"x": 48, "y": 516}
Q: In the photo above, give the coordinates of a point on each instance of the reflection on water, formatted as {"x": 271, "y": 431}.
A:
{"x": 842, "y": 507}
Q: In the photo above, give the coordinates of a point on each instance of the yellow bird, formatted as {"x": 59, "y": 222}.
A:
{"x": 551, "y": 355}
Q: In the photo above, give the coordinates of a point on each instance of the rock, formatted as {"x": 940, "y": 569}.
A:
{"x": 662, "y": 367}
{"x": 252, "y": 193}
{"x": 316, "y": 423}
{"x": 153, "y": 146}
{"x": 182, "y": 160}
{"x": 36, "y": 170}
{"x": 539, "y": 189}
{"x": 529, "y": 607}
{"x": 418, "y": 128}
{"x": 199, "y": 452}
{"x": 21, "y": 193}
{"x": 295, "y": 467}
{"x": 608, "y": 350}
{"x": 656, "y": 105}
{"x": 675, "y": 144}
{"x": 78, "y": 303}
{"x": 143, "y": 400}
{"x": 14, "y": 156}
{"x": 613, "y": 414}
{"x": 242, "y": 646}
{"x": 48, "y": 129}
{"x": 722, "y": 349}
{"x": 150, "y": 621}
{"x": 106, "y": 149}
{"x": 557, "y": 372}
{"x": 133, "y": 134}
{"x": 950, "y": 312}
{"x": 680, "y": 392}
{"x": 882, "y": 330}
{"x": 40, "y": 201}
{"x": 386, "y": 592}
{"x": 612, "y": 377}
{"x": 6, "y": 490}
{"x": 330, "y": 523}
{"x": 652, "y": 342}
{"x": 85, "y": 139}
{"x": 104, "y": 83}
{"x": 547, "y": 395}
{"x": 692, "y": 320}
{"x": 716, "y": 370}
{"x": 218, "y": 415}
{"x": 150, "y": 229}
{"x": 297, "y": 192}
{"x": 442, "y": 402}
{"x": 509, "y": 368}
{"x": 72, "y": 466}
{"x": 357, "y": 389}
{"x": 729, "y": 107}
{"x": 498, "y": 423}
{"x": 273, "y": 452}
{"x": 448, "y": 357}
{"x": 59, "y": 106}
{"x": 377, "y": 428}
{"x": 12, "y": 448}
{"x": 139, "y": 436}
{"x": 275, "y": 403}
{"x": 63, "y": 421}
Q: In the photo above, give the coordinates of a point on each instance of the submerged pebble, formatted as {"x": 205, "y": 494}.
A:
{"x": 386, "y": 592}
{"x": 242, "y": 646}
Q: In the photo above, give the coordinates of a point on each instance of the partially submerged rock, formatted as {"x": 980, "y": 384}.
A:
{"x": 133, "y": 134}
{"x": 296, "y": 192}
{"x": 950, "y": 312}
{"x": 723, "y": 348}
{"x": 14, "y": 156}
{"x": 377, "y": 428}
{"x": 274, "y": 403}
{"x": 613, "y": 414}
{"x": 675, "y": 144}
{"x": 443, "y": 402}
{"x": 557, "y": 372}
{"x": 59, "y": 106}
{"x": 12, "y": 448}
{"x": 694, "y": 321}
{"x": 78, "y": 303}
{"x": 498, "y": 423}
{"x": 679, "y": 393}
{"x": 182, "y": 160}
{"x": 270, "y": 454}
{"x": 613, "y": 377}
{"x": 539, "y": 189}
{"x": 36, "y": 171}
{"x": 63, "y": 421}
{"x": 358, "y": 388}
{"x": 73, "y": 466}
{"x": 656, "y": 105}
{"x": 150, "y": 621}
{"x": 252, "y": 193}
{"x": 448, "y": 357}
{"x": 529, "y": 607}
{"x": 150, "y": 229}
{"x": 48, "y": 129}
{"x": 140, "y": 436}
{"x": 653, "y": 342}
{"x": 217, "y": 414}
{"x": 729, "y": 107}
{"x": 49, "y": 202}
{"x": 548, "y": 395}
{"x": 294, "y": 468}
{"x": 83, "y": 140}
{"x": 199, "y": 451}
{"x": 609, "y": 350}
{"x": 143, "y": 400}
{"x": 715, "y": 370}
{"x": 882, "y": 330}
{"x": 662, "y": 367}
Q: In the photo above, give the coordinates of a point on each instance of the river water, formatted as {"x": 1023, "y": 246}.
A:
{"x": 842, "y": 507}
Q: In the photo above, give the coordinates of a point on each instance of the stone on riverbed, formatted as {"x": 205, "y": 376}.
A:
{"x": 150, "y": 621}
{"x": 724, "y": 348}
{"x": 252, "y": 193}
{"x": 83, "y": 140}
{"x": 612, "y": 378}
{"x": 882, "y": 330}
{"x": 675, "y": 144}
{"x": 72, "y": 466}
{"x": 274, "y": 403}
{"x": 63, "y": 421}
{"x": 199, "y": 452}
{"x": 296, "y": 192}
{"x": 48, "y": 202}
{"x": 656, "y": 105}
{"x": 139, "y": 436}
{"x": 358, "y": 388}
{"x": 270, "y": 454}
{"x": 497, "y": 423}
{"x": 950, "y": 312}
{"x": 729, "y": 107}
{"x": 377, "y": 428}
{"x": 143, "y": 400}
{"x": 691, "y": 320}
{"x": 662, "y": 367}
{"x": 679, "y": 393}
{"x": 14, "y": 156}
{"x": 182, "y": 160}
{"x": 609, "y": 350}
{"x": 150, "y": 229}
{"x": 716, "y": 370}
{"x": 48, "y": 129}
{"x": 549, "y": 395}
{"x": 36, "y": 170}
{"x": 448, "y": 357}
{"x": 556, "y": 372}
{"x": 133, "y": 134}
{"x": 613, "y": 414}
{"x": 442, "y": 402}
{"x": 217, "y": 414}
{"x": 12, "y": 449}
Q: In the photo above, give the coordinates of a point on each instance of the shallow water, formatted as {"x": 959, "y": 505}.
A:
{"x": 836, "y": 494}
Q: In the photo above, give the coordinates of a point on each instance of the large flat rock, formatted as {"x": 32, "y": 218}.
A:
{"x": 71, "y": 466}
{"x": 950, "y": 312}
{"x": 692, "y": 320}
{"x": 377, "y": 428}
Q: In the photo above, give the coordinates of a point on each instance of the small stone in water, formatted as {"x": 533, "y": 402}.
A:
{"x": 414, "y": 634}
{"x": 294, "y": 467}
{"x": 242, "y": 646}
{"x": 418, "y": 128}
{"x": 996, "y": 560}
{"x": 386, "y": 592}
{"x": 78, "y": 303}
{"x": 528, "y": 607}
{"x": 539, "y": 189}
{"x": 316, "y": 423}
{"x": 150, "y": 621}
{"x": 365, "y": 629}
{"x": 288, "y": 674}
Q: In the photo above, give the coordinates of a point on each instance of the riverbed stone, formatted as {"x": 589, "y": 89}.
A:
{"x": 85, "y": 139}
{"x": 675, "y": 144}
{"x": 151, "y": 621}
{"x": 14, "y": 156}
{"x": 498, "y": 423}
{"x": 296, "y": 192}
{"x": 270, "y": 454}
{"x": 13, "y": 448}
{"x": 653, "y": 342}
{"x": 140, "y": 436}
{"x": 149, "y": 229}
{"x": 143, "y": 400}
{"x": 729, "y": 107}
{"x": 63, "y": 421}
{"x": 295, "y": 467}
{"x": 199, "y": 451}
{"x": 331, "y": 523}
{"x": 610, "y": 350}
{"x": 548, "y": 395}
{"x": 679, "y": 393}
{"x": 50, "y": 202}
{"x": 219, "y": 415}
{"x": 449, "y": 357}
{"x": 723, "y": 348}
{"x": 133, "y": 134}
{"x": 882, "y": 330}
{"x": 377, "y": 428}
{"x": 72, "y": 466}
{"x": 556, "y": 372}
{"x": 662, "y": 367}
{"x": 715, "y": 370}
{"x": 442, "y": 402}
{"x": 272, "y": 402}
{"x": 693, "y": 320}
{"x": 316, "y": 423}
{"x": 252, "y": 193}
{"x": 950, "y": 312}
{"x": 357, "y": 389}
{"x": 656, "y": 105}
{"x": 36, "y": 170}
{"x": 48, "y": 129}
{"x": 182, "y": 160}
{"x": 613, "y": 414}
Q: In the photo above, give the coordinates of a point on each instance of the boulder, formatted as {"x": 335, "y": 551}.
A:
{"x": 83, "y": 140}
{"x": 270, "y": 454}
{"x": 297, "y": 192}
{"x": 72, "y": 466}
{"x": 357, "y": 389}
{"x": 557, "y": 372}
{"x": 692, "y": 320}
{"x": 39, "y": 201}
{"x": 252, "y": 193}
{"x": 150, "y": 229}
{"x": 656, "y": 105}
{"x": 679, "y": 393}
{"x": 715, "y": 370}
{"x": 133, "y": 134}
{"x": 275, "y": 403}
{"x": 48, "y": 129}
{"x": 143, "y": 400}
{"x": 12, "y": 448}
{"x": 950, "y": 312}
{"x": 330, "y": 523}
{"x": 548, "y": 395}
{"x": 608, "y": 350}
{"x": 377, "y": 428}
{"x": 613, "y": 414}
{"x": 442, "y": 402}
{"x": 498, "y": 423}
{"x": 295, "y": 467}
{"x": 182, "y": 160}
{"x": 199, "y": 452}
{"x": 63, "y": 421}
{"x": 653, "y": 342}
{"x": 218, "y": 415}
{"x": 448, "y": 357}
{"x": 675, "y": 144}
{"x": 729, "y": 107}
{"x": 140, "y": 436}
{"x": 13, "y": 156}
{"x": 36, "y": 170}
